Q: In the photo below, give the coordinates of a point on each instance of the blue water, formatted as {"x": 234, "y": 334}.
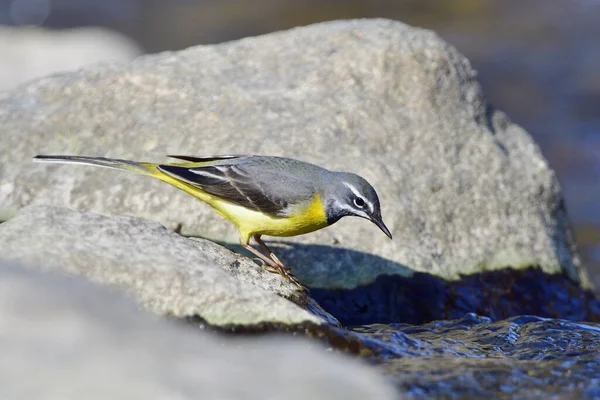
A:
{"x": 520, "y": 357}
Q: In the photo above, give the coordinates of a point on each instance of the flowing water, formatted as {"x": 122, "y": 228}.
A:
{"x": 474, "y": 357}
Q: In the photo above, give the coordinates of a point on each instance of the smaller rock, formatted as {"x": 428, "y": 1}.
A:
{"x": 169, "y": 274}
{"x": 63, "y": 338}
{"x": 32, "y": 52}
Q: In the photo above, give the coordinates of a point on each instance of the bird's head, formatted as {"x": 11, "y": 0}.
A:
{"x": 351, "y": 194}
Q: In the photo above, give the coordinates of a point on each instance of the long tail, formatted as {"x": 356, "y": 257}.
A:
{"x": 133, "y": 166}
{"x": 143, "y": 168}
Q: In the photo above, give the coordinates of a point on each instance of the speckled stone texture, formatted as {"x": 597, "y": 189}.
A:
{"x": 167, "y": 273}
{"x": 463, "y": 189}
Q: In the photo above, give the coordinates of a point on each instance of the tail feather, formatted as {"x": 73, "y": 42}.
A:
{"x": 133, "y": 166}
{"x": 143, "y": 168}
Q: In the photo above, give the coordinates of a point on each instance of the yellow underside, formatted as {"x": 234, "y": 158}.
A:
{"x": 250, "y": 222}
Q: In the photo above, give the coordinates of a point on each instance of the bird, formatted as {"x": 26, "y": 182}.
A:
{"x": 260, "y": 195}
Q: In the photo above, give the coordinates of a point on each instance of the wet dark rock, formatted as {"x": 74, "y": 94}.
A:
{"x": 337, "y": 338}
{"x": 497, "y": 295}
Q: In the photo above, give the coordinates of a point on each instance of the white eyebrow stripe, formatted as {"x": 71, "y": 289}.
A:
{"x": 353, "y": 189}
{"x": 357, "y": 194}
{"x": 353, "y": 211}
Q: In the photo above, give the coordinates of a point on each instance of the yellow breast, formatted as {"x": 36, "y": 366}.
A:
{"x": 250, "y": 222}
{"x": 304, "y": 219}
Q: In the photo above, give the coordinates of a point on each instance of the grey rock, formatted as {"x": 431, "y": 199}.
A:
{"x": 463, "y": 189}
{"x": 68, "y": 339}
{"x": 29, "y": 52}
{"x": 169, "y": 274}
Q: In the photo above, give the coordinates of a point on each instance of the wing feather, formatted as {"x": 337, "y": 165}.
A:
{"x": 207, "y": 158}
{"x": 265, "y": 190}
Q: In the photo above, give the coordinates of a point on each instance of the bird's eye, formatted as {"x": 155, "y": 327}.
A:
{"x": 359, "y": 202}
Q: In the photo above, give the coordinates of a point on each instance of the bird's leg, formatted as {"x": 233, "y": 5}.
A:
{"x": 274, "y": 266}
{"x": 271, "y": 254}
{"x": 285, "y": 271}
{"x": 264, "y": 265}
{"x": 270, "y": 265}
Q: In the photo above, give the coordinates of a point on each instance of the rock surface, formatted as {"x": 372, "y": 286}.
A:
{"x": 66, "y": 339}
{"x": 463, "y": 189}
{"x": 169, "y": 274}
{"x": 32, "y": 52}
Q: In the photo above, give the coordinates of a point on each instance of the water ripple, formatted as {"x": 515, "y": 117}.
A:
{"x": 520, "y": 357}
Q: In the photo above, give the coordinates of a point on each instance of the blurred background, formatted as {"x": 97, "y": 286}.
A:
{"x": 538, "y": 60}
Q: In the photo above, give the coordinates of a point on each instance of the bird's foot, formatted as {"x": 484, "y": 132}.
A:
{"x": 287, "y": 273}
{"x": 273, "y": 264}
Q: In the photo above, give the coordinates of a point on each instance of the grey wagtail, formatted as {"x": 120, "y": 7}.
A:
{"x": 261, "y": 195}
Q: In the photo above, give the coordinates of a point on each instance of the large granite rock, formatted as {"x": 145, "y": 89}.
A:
{"x": 463, "y": 189}
{"x": 65, "y": 339}
{"x": 169, "y": 274}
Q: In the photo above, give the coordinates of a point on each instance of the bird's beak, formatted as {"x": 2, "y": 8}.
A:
{"x": 377, "y": 220}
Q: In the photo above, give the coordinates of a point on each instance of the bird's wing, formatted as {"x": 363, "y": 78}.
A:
{"x": 255, "y": 187}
